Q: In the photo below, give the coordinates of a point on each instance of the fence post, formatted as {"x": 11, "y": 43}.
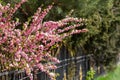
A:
{"x": 75, "y": 60}
{"x": 87, "y": 65}
{"x": 13, "y": 76}
{"x": 34, "y": 76}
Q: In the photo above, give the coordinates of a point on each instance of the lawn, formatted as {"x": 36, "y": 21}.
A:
{"x": 112, "y": 75}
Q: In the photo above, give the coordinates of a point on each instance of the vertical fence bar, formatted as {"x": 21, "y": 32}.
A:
{"x": 75, "y": 61}
{"x": 67, "y": 62}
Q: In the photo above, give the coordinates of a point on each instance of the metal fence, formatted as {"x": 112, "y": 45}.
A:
{"x": 73, "y": 68}
{"x": 69, "y": 68}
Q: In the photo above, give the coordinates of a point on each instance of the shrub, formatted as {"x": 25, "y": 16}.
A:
{"x": 29, "y": 46}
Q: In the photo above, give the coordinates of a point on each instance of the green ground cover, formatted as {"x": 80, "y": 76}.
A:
{"x": 112, "y": 75}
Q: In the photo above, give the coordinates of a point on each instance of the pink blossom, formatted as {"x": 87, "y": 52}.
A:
{"x": 40, "y": 66}
{"x": 55, "y": 60}
{"x": 28, "y": 47}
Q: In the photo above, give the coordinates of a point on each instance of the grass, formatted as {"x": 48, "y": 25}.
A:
{"x": 112, "y": 75}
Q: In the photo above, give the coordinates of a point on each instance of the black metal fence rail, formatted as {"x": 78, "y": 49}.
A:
{"x": 74, "y": 68}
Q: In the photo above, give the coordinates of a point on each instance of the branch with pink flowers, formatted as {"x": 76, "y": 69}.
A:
{"x": 30, "y": 46}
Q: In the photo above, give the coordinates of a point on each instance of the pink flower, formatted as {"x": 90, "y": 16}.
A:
{"x": 1, "y": 14}
{"x": 40, "y": 66}
{"x": 24, "y": 55}
{"x": 55, "y": 60}
{"x": 28, "y": 47}
{"x": 24, "y": 0}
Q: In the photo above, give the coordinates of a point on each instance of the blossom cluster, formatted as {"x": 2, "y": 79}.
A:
{"x": 30, "y": 46}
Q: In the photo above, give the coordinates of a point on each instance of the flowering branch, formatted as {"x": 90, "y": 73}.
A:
{"x": 30, "y": 47}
